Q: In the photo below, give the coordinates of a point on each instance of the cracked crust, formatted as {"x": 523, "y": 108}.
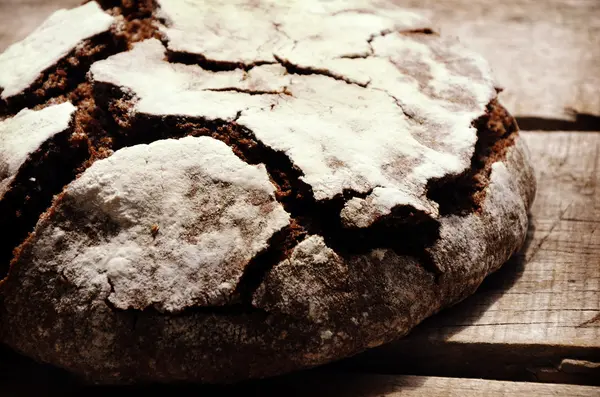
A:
{"x": 28, "y": 72}
{"x": 168, "y": 225}
{"x": 310, "y": 116}
{"x": 22, "y": 135}
{"x": 36, "y": 159}
{"x": 278, "y": 28}
{"x": 312, "y": 308}
{"x": 262, "y": 195}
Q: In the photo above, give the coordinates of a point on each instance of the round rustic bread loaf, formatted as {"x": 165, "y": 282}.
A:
{"x": 199, "y": 190}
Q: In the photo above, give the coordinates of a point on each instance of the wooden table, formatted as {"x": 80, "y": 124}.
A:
{"x": 533, "y": 328}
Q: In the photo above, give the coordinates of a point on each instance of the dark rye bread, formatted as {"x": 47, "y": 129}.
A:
{"x": 239, "y": 199}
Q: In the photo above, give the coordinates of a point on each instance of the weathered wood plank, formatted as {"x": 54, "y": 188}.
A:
{"x": 543, "y": 307}
{"x": 546, "y": 54}
{"x": 569, "y": 163}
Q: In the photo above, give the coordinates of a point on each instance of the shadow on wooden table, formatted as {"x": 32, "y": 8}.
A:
{"x": 21, "y": 377}
{"x": 580, "y": 122}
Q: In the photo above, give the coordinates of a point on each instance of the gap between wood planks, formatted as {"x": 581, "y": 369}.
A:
{"x": 580, "y": 122}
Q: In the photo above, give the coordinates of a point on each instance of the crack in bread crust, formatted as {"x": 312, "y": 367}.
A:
{"x": 65, "y": 76}
{"x": 139, "y": 20}
{"x": 211, "y": 64}
{"x": 48, "y": 169}
{"x": 464, "y": 193}
{"x": 405, "y": 230}
{"x": 315, "y": 217}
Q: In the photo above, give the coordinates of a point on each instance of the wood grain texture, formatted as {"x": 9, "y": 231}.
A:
{"x": 541, "y": 308}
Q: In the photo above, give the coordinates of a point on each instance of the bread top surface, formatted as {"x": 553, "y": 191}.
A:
{"x": 382, "y": 121}
{"x": 368, "y": 105}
